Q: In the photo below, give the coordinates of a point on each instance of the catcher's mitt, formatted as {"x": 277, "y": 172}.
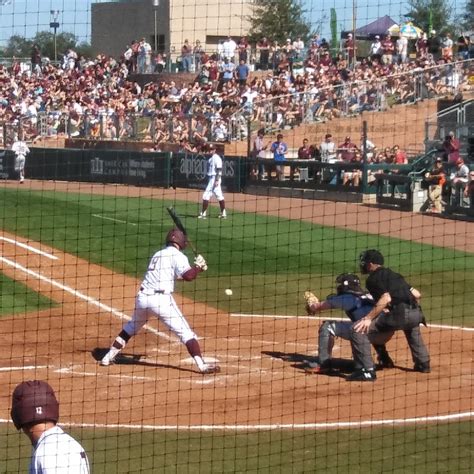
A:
{"x": 310, "y": 299}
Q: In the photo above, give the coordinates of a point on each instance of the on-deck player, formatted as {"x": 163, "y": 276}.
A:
{"x": 155, "y": 298}
{"x": 214, "y": 173}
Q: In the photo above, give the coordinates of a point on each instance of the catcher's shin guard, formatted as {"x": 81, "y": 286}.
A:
{"x": 327, "y": 332}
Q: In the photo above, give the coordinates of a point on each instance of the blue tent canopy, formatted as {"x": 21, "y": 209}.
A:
{"x": 377, "y": 27}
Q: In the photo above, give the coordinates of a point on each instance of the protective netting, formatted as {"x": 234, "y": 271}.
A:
{"x": 317, "y": 164}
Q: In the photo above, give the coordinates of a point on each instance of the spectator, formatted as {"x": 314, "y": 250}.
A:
{"x": 144, "y": 57}
{"x": 376, "y": 49}
{"x": 258, "y": 152}
{"x": 36, "y": 59}
{"x": 469, "y": 189}
{"x": 35, "y": 411}
{"x": 305, "y": 152}
{"x": 399, "y": 156}
{"x": 451, "y": 146}
{"x": 433, "y": 45}
{"x": 401, "y": 47}
{"x": 227, "y": 73}
{"x": 198, "y": 52}
{"x": 186, "y": 56}
{"x": 422, "y": 46}
{"x": 228, "y": 49}
{"x": 436, "y": 178}
{"x": 242, "y": 72}
{"x": 243, "y": 48}
{"x": 387, "y": 50}
{"x": 353, "y": 176}
{"x": 347, "y": 150}
{"x": 463, "y": 46}
{"x": 263, "y": 47}
{"x": 369, "y": 149}
{"x": 349, "y": 48}
{"x": 328, "y": 150}
{"x": 279, "y": 149}
{"x": 447, "y": 47}
{"x": 459, "y": 179}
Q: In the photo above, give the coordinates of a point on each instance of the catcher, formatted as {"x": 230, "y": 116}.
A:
{"x": 356, "y": 303}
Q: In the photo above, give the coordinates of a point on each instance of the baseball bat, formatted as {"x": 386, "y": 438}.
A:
{"x": 181, "y": 227}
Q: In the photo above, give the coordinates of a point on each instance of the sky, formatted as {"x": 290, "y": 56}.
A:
{"x": 27, "y": 17}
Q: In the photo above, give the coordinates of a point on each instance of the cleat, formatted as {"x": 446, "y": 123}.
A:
{"x": 385, "y": 363}
{"x": 202, "y": 216}
{"x": 362, "y": 375}
{"x": 109, "y": 358}
{"x": 210, "y": 369}
{"x": 423, "y": 367}
{"x": 222, "y": 216}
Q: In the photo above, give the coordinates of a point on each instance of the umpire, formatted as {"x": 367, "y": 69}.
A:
{"x": 401, "y": 312}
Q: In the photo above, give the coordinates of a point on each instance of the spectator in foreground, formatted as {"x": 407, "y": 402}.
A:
{"x": 35, "y": 411}
{"x": 279, "y": 149}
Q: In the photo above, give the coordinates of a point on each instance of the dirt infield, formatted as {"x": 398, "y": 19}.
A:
{"x": 157, "y": 385}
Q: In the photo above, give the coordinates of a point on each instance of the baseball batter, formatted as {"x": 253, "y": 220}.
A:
{"x": 214, "y": 174}
{"x": 155, "y": 298}
{"x": 356, "y": 303}
{"x": 21, "y": 150}
{"x": 35, "y": 410}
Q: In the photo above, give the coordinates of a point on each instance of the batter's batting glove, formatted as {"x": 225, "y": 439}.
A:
{"x": 200, "y": 262}
{"x": 310, "y": 300}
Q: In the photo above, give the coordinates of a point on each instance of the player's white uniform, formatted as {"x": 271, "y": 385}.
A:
{"x": 21, "y": 150}
{"x": 214, "y": 168}
{"x": 56, "y": 453}
{"x": 156, "y": 294}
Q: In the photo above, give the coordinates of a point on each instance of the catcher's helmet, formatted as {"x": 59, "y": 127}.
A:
{"x": 34, "y": 401}
{"x": 370, "y": 256}
{"x": 175, "y": 236}
{"x": 348, "y": 283}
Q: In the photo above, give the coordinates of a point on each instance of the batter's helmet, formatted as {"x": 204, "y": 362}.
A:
{"x": 34, "y": 401}
{"x": 349, "y": 283}
{"x": 175, "y": 236}
{"x": 370, "y": 256}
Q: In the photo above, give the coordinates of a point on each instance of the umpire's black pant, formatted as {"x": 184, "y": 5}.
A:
{"x": 404, "y": 318}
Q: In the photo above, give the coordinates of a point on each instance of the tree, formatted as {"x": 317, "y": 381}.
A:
{"x": 278, "y": 20}
{"x": 21, "y": 48}
{"x": 467, "y": 18}
{"x": 430, "y": 14}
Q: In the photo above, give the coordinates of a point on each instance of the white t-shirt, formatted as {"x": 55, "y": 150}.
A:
{"x": 58, "y": 453}
{"x": 164, "y": 268}
{"x": 328, "y": 152}
{"x": 214, "y": 163}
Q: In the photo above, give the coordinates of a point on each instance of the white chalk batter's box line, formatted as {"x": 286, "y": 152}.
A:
{"x": 322, "y": 318}
{"x": 277, "y": 426}
{"x": 29, "y": 247}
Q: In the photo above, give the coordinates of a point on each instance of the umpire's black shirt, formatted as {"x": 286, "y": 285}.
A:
{"x": 383, "y": 280}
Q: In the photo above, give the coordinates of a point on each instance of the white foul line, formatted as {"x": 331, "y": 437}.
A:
{"x": 29, "y": 247}
{"x": 82, "y": 296}
{"x": 332, "y": 318}
{"x": 112, "y": 219}
{"x": 26, "y": 367}
{"x": 277, "y": 426}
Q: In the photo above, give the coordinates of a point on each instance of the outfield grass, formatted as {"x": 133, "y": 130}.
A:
{"x": 18, "y": 298}
{"x": 267, "y": 261}
{"x": 420, "y": 449}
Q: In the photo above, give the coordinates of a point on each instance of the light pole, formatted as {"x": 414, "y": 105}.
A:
{"x": 156, "y": 4}
{"x": 55, "y": 25}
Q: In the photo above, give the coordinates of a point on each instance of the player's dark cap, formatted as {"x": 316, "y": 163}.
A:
{"x": 348, "y": 283}
{"x": 34, "y": 401}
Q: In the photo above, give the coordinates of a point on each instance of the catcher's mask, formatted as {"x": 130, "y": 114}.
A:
{"x": 34, "y": 401}
{"x": 175, "y": 236}
{"x": 348, "y": 283}
{"x": 369, "y": 256}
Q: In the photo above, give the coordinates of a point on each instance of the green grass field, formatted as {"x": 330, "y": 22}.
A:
{"x": 268, "y": 262}
{"x": 420, "y": 449}
{"x": 18, "y": 298}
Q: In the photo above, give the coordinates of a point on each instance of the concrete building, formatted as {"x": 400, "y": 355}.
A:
{"x": 166, "y": 23}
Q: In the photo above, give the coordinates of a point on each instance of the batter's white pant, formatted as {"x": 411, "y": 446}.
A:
{"x": 212, "y": 189}
{"x": 164, "y": 308}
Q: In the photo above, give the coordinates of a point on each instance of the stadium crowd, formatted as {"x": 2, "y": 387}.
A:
{"x": 94, "y": 98}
